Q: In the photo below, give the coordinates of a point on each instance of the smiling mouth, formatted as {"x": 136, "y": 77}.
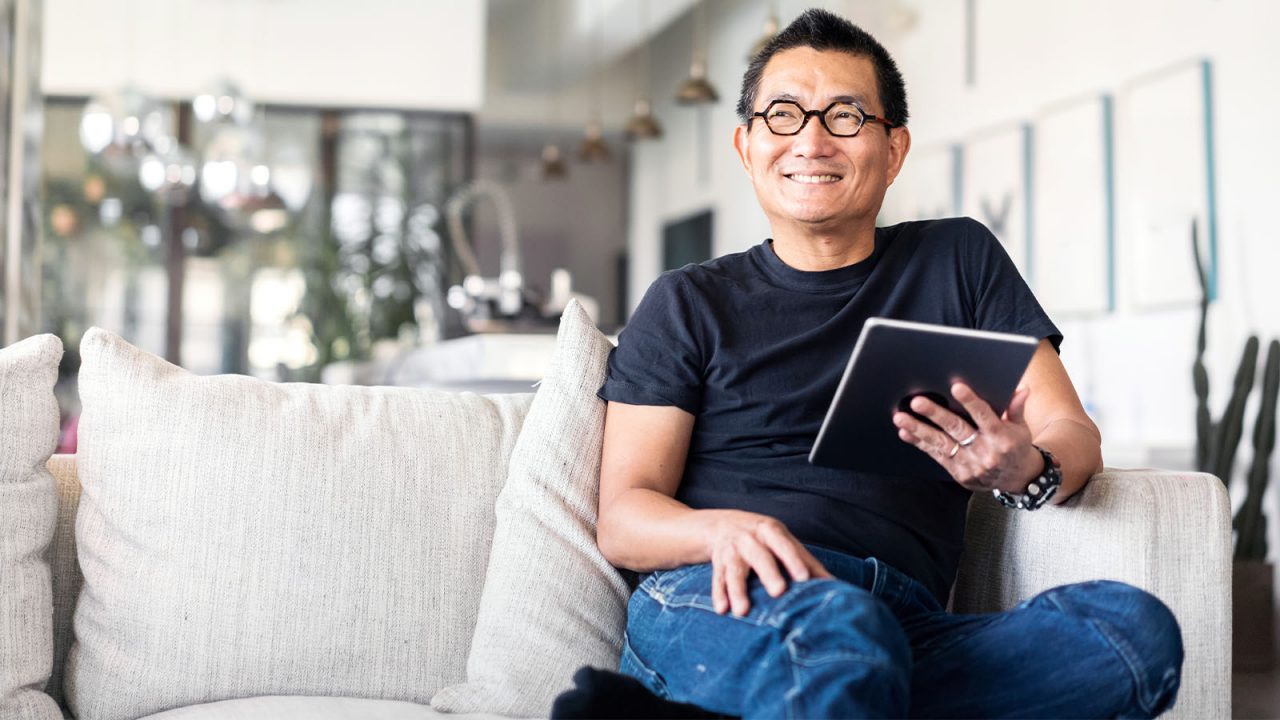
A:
{"x": 813, "y": 179}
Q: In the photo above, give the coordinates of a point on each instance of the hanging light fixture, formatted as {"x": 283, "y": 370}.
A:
{"x": 223, "y": 102}
{"x": 769, "y": 32}
{"x": 553, "y": 165}
{"x": 170, "y": 170}
{"x": 594, "y": 148}
{"x": 643, "y": 125}
{"x": 123, "y": 126}
{"x": 696, "y": 90}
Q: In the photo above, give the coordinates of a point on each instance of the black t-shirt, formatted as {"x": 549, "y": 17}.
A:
{"x": 754, "y": 349}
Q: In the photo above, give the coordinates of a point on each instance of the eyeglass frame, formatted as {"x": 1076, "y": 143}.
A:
{"x": 820, "y": 114}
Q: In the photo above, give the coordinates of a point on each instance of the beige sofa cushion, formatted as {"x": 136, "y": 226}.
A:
{"x": 28, "y": 511}
{"x": 241, "y": 538}
{"x": 551, "y": 602}
{"x": 311, "y": 708}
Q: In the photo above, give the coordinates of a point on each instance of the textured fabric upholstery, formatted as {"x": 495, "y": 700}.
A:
{"x": 310, "y": 708}
{"x": 66, "y": 570}
{"x": 1167, "y": 533}
{"x": 241, "y": 538}
{"x": 28, "y": 512}
{"x": 551, "y": 602}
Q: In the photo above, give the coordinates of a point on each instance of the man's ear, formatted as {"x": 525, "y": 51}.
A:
{"x": 899, "y": 146}
{"x": 740, "y": 144}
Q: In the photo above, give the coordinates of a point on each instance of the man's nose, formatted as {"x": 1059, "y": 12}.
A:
{"x": 813, "y": 140}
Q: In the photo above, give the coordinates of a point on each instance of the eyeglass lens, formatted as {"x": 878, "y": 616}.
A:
{"x": 787, "y": 118}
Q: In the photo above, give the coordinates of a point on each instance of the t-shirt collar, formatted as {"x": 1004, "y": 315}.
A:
{"x": 849, "y": 277}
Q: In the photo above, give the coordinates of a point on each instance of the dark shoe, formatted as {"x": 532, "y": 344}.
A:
{"x": 605, "y": 695}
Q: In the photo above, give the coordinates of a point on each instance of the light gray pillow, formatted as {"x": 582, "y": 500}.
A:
{"x": 242, "y": 538}
{"x": 28, "y": 512}
{"x": 551, "y": 602}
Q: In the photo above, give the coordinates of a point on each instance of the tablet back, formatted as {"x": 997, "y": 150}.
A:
{"x": 894, "y": 361}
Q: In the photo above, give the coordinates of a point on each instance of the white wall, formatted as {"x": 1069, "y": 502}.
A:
{"x": 1131, "y": 366}
{"x": 383, "y": 53}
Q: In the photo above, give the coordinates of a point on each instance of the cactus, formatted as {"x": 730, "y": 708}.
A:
{"x": 1200, "y": 376}
{"x": 1226, "y": 436}
{"x": 1216, "y": 443}
{"x": 1251, "y": 524}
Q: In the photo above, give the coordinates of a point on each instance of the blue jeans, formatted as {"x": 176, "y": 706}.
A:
{"x": 876, "y": 643}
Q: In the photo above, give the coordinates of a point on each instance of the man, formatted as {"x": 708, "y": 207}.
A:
{"x": 775, "y": 588}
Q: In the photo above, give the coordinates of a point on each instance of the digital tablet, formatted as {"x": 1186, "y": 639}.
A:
{"x": 894, "y": 361}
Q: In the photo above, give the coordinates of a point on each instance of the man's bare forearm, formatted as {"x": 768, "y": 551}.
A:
{"x": 1078, "y": 448}
{"x": 644, "y": 530}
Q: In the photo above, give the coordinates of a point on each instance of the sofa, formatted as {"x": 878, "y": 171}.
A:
{"x": 230, "y": 548}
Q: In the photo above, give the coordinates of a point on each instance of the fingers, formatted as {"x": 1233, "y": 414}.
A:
{"x": 951, "y": 424}
{"x": 786, "y": 548}
{"x": 977, "y": 408}
{"x": 760, "y": 550}
{"x": 735, "y": 585}
{"x": 730, "y": 570}
{"x": 762, "y": 561}
{"x": 801, "y": 565}
{"x": 719, "y": 595}
{"x": 928, "y": 439}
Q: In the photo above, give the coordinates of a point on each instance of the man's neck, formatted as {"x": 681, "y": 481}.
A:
{"x": 815, "y": 252}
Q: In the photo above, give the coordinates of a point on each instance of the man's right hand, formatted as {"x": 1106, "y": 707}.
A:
{"x": 742, "y": 542}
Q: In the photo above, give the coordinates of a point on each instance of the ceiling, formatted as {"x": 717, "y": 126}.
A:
{"x": 523, "y": 33}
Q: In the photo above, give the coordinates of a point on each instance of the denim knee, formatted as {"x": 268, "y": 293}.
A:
{"x": 826, "y": 620}
{"x": 1141, "y": 628}
{"x": 848, "y": 655}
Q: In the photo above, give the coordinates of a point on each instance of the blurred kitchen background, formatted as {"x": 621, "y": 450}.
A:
{"x": 409, "y": 191}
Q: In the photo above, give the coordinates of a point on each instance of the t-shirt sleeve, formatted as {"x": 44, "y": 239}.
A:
{"x": 1002, "y": 301}
{"x": 658, "y": 360}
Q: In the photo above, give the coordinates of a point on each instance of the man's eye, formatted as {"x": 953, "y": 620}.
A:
{"x": 844, "y": 114}
{"x": 781, "y": 113}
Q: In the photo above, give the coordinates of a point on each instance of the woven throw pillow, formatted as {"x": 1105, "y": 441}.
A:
{"x": 242, "y": 538}
{"x": 551, "y": 602}
{"x": 28, "y": 512}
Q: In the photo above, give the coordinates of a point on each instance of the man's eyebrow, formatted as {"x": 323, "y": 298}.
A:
{"x": 859, "y": 100}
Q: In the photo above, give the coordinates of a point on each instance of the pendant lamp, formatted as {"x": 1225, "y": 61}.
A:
{"x": 594, "y": 148}
{"x": 643, "y": 125}
{"x": 696, "y": 90}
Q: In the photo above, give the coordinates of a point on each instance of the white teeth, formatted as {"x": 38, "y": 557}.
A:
{"x": 814, "y": 178}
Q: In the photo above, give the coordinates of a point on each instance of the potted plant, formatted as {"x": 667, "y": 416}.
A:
{"x": 1253, "y": 607}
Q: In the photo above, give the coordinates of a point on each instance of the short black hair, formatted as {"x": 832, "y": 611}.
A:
{"x": 824, "y": 30}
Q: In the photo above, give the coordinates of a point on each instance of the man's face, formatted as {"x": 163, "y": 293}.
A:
{"x": 815, "y": 179}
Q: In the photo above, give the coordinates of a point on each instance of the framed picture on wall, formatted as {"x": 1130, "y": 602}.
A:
{"x": 928, "y": 186}
{"x": 1165, "y": 174}
{"x": 997, "y": 187}
{"x": 1072, "y": 211}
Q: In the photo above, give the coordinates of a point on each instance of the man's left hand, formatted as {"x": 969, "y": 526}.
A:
{"x": 997, "y": 454}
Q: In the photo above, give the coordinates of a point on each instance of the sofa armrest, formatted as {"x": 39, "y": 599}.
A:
{"x": 1168, "y": 533}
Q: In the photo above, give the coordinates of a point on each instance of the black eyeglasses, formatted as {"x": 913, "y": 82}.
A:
{"x": 842, "y": 119}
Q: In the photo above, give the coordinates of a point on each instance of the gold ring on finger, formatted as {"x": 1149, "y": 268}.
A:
{"x": 954, "y": 450}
